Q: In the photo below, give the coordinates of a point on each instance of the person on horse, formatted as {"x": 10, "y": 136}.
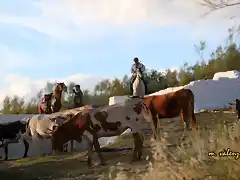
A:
{"x": 78, "y": 96}
{"x": 137, "y": 65}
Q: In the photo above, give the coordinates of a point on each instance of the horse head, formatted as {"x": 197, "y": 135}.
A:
{"x": 138, "y": 74}
{"x": 62, "y": 87}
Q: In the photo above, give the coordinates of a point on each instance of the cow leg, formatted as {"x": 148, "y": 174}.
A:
{"x": 6, "y": 151}
{"x": 98, "y": 149}
{"x": 37, "y": 143}
{"x": 90, "y": 148}
{"x": 186, "y": 120}
{"x": 26, "y": 148}
{"x": 71, "y": 145}
{"x": 137, "y": 146}
{"x": 141, "y": 137}
{"x": 154, "y": 124}
{"x": 6, "y": 147}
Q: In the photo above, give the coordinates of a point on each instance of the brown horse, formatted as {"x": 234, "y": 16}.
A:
{"x": 44, "y": 106}
{"x": 172, "y": 105}
{"x": 57, "y": 95}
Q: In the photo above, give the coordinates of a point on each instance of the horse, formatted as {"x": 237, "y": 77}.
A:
{"x": 171, "y": 105}
{"x": 57, "y": 95}
{"x": 44, "y": 106}
{"x": 138, "y": 85}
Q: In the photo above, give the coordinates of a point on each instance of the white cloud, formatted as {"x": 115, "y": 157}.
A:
{"x": 71, "y": 19}
{"x": 28, "y": 88}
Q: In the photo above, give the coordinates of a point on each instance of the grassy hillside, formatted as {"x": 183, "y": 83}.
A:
{"x": 168, "y": 159}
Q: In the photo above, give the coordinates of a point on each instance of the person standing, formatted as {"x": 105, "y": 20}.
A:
{"x": 78, "y": 96}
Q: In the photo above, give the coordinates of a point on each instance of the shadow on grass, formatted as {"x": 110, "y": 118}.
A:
{"x": 46, "y": 170}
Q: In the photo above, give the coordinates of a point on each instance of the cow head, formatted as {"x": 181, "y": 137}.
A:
{"x": 53, "y": 125}
{"x": 55, "y": 121}
{"x": 141, "y": 109}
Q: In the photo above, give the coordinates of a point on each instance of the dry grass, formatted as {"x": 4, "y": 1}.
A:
{"x": 191, "y": 159}
{"x": 168, "y": 159}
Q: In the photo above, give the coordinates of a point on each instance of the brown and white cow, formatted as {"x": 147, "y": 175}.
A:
{"x": 106, "y": 121}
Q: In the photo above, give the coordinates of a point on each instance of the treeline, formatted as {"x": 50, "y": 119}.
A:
{"x": 224, "y": 58}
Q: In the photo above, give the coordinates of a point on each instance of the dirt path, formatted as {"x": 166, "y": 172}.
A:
{"x": 74, "y": 166}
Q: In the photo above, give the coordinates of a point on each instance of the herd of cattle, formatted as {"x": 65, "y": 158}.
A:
{"x": 92, "y": 122}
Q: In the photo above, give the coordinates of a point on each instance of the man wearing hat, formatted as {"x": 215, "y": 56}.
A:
{"x": 78, "y": 96}
{"x": 141, "y": 67}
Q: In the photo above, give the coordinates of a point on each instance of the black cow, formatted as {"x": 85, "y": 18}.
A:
{"x": 11, "y": 133}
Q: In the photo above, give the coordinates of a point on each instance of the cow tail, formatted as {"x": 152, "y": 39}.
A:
{"x": 28, "y": 132}
{"x": 194, "y": 122}
{"x": 90, "y": 123}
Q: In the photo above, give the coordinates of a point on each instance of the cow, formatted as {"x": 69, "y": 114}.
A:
{"x": 171, "y": 105}
{"x": 106, "y": 121}
{"x": 12, "y": 133}
{"x": 39, "y": 126}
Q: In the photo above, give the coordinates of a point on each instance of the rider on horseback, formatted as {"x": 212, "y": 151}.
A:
{"x": 141, "y": 68}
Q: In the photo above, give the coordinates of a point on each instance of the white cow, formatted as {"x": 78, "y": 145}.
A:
{"x": 105, "y": 122}
{"x": 39, "y": 126}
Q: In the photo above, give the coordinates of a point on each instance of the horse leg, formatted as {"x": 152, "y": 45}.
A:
{"x": 26, "y": 148}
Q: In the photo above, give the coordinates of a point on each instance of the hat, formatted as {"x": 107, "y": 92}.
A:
{"x": 135, "y": 59}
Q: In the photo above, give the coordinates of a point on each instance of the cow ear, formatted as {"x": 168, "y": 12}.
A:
{"x": 137, "y": 108}
{"x": 53, "y": 119}
{"x": 101, "y": 115}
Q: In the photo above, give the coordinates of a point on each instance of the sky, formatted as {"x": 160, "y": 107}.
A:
{"x": 86, "y": 41}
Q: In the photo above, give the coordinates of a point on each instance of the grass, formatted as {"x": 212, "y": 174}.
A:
{"x": 194, "y": 159}
{"x": 168, "y": 159}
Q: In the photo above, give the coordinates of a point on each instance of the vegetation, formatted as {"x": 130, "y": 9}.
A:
{"x": 225, "y": 57}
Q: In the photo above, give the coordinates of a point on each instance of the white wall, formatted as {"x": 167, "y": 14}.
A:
{"x": 209, "y": 94}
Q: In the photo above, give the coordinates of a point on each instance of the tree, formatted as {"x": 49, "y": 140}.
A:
{"x": 171, "y": 78}
{"x": 214, "y": 5}
{"x": 224, "y": 58}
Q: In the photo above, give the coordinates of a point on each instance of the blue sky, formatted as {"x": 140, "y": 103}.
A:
{"x": 86, "y": 41}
